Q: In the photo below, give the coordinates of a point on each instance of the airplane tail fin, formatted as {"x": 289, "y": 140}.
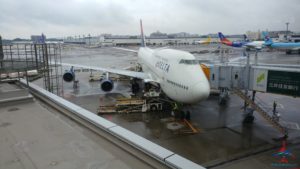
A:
{"x": 208, "y": 40}
{"x": 267, "y": 39}
{"x": 246, "y": 38}
{"x": 143, "y": 42}
{"x": 223, "y": 38}
{"x": 264, "y": 34}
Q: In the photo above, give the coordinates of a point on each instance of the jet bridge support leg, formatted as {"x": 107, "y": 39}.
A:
{"x": 223, "y": 97}
{"x": 75, "y": 84}
{"x": 248, "y": 111}
{"x": 255, "y": 59}
{"x": 135, "y": 87}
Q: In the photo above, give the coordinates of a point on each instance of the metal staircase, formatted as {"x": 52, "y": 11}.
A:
{"x": 262, "y": 112}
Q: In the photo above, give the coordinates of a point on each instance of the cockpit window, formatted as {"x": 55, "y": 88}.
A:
{"x": 189, "y": 62}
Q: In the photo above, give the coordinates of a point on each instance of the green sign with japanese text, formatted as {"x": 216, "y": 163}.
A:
{"x": 287, "y": 83}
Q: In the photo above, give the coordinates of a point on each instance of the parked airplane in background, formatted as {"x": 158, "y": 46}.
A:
{"x": 288, "y": 46}
{"x": 176, "y": 72}
{"x": 204, "y": 42}
{"x": 250, "y": 45}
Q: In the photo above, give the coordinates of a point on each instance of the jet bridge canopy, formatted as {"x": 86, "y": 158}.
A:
{"x": 279, "y": 79}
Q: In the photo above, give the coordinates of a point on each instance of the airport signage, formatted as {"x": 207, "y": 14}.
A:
{"x": 260, "y": 80}
{"x": 281, "y": 82}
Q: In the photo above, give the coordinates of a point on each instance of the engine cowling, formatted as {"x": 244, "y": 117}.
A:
{"x": 69, "y": 76}
{"x": 107, "y": 85}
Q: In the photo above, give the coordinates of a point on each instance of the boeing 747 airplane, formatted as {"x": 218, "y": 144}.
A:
{"x": 176, "y": 72}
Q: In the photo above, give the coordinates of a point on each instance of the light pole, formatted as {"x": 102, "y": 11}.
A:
{"x": 287, "y": 30}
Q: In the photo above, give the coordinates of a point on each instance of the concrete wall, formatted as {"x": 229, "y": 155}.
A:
{"x": 159, "y": 154}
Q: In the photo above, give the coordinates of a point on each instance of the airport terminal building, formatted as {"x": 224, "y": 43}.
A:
{"x": 136, "y": 40}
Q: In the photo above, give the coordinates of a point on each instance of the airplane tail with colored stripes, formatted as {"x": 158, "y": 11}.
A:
{"x": 223, "y": 39}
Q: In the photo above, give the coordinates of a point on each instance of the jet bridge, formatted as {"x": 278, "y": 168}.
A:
{"x": 268, "y": 78}
{"x": 279, "y": 79}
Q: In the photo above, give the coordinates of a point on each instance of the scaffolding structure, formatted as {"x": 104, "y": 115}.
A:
{"x": 22, "y": 58}
{"x": 52, "y": 73}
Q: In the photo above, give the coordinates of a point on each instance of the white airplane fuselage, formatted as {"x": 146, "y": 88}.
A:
{"x": 181, "y": 78}
{"x": 255, "y": 44}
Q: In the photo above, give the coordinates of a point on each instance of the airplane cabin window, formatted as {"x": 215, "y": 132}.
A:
{"x": 188, "y": 62}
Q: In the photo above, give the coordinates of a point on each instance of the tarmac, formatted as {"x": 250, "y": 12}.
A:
{"x": 223, "y": 141}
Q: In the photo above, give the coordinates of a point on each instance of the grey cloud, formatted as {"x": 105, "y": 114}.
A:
{"x": 70, "y": 17}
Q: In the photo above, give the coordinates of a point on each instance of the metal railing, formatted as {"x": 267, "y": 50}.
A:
{"x": 262, "y": 112}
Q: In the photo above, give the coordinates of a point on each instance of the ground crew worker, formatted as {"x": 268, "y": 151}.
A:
{"x": 174, "y": 109}
{"x": 276, "y": 115}
{"x": 274, "y": 108}
{"x": 188, "y": 115}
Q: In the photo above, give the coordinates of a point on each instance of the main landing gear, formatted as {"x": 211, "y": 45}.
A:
{"x": 249, "y": 117}
{"x": 135, "y": 87}
{"x": 223, "y": 97}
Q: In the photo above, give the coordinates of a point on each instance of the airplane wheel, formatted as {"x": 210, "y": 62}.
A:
{"x": 147, "y": 86}
{"x": 222, "y": 101}
{"x": 188, "y": 115}
{"x": 182, "y": 115}
{"x": 248, "y": 119}
{"x": 135, "y": 87}
{"x": 153, "y": 108}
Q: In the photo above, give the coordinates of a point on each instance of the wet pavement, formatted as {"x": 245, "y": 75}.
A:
{"x": 222, "y": 135}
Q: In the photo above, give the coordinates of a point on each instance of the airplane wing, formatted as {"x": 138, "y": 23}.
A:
{"x": 139, "y": 75}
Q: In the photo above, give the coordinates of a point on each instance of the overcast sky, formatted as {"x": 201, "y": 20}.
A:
{"x": 61, "y": 18}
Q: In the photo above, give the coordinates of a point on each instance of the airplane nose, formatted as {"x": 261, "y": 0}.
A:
{"x": 200, "y": 91}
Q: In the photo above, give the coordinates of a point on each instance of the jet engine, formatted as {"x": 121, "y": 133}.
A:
{"x": 69, "y": 76}
{"x": 107, "y": 85}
